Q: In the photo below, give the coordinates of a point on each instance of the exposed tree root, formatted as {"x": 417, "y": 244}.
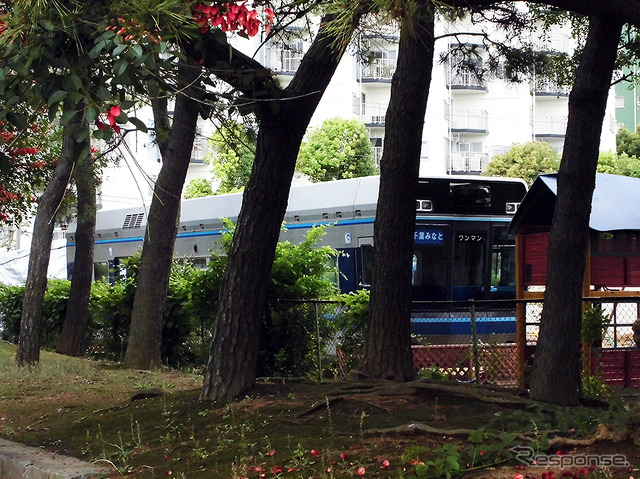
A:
{"x": 604, "y": 433}
{"x": 478, "y": 392}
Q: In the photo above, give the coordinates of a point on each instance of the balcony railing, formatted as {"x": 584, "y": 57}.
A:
{"x": 374, "y": 113}
{"x": 377, "y": 155}
{"x": 549, "y": 88}
{"x": 379, "y": 69}
{"x": 555, "y": 126}
{"x": 469, "y": 162}
{"x": 283, "y": 59}
{"x": 466, "y": 81}
{"x": 470, "y": 121}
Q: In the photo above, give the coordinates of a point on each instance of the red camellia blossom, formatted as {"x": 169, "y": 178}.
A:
{"x": 236, "y": 17}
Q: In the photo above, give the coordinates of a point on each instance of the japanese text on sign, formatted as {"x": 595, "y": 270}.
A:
{"x": 429, "y": 236}
{"x": 470, "y": 237}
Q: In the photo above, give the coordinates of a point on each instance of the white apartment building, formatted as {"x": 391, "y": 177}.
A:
{"x": 467, "y": 121}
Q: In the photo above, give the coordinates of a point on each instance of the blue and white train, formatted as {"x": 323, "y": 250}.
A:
{"x": 462, "y": 246}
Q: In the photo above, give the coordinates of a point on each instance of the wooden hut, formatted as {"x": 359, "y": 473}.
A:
{"x": 613, "y": 258}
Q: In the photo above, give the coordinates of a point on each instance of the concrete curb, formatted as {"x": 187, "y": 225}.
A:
{"x": 18, "y": 461}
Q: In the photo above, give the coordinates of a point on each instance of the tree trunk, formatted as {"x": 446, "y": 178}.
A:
{"x": 73, "y": 339}
{"x": 29, "y": 343}
{"x": 145, "y": 335}
{"x": 388, "y": 350}
{"x": 556, "y": 370}
{"x": 232, "y": 363}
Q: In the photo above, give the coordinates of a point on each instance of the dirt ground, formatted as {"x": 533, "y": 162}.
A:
{"x": 287, "y": 428}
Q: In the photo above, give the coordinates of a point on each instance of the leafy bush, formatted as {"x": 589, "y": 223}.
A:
{"x": 288, "y": 341}
{"x": 10, "y": 311}
{"x": 53, "y": 311}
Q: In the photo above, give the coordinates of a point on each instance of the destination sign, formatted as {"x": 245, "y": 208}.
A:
{"x": 429, "y": 236}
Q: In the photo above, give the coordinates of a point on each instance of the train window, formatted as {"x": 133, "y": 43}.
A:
{"x": 468, "y": 264}
{"x": 366, "y": 257}
{"x": 429, "y": 273}
{"x": 101, "y": 271}
{"x": 466, "y": 194}
{"x": 503, "y": 264}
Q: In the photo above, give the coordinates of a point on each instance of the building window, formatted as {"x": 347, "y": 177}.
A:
{"x": 619, "y": 101}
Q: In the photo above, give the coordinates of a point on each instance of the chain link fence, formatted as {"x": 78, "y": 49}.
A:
{"x": 466, "y": 341}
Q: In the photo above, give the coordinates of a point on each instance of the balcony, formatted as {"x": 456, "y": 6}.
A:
{"x": 377, "y": 155}
{"x": 284, "y": 59}
{"x": 468, "y": 162}
{"x": 466, "y": 81}
{"x": 380, "y": 70}
{"x": 470, "y": 121}
{"x": 554, "y": 126}
{"x": 548, "y": 89}
{"x": 373, "y": 114}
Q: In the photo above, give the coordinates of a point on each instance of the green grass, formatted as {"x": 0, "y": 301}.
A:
{"x": 281, "y": 429}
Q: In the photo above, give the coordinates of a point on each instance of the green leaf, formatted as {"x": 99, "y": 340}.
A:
{"x": 120, "y": 66}
{"x": 137, "y": 50}
{"x": 18, "y": 120}
{"x": 422, "y": 470}
{"x": 48, "y": 25}
{"x": 82, "y": 135}
{"x": 5, "y": 163}
{"x": 75, "y": 80}
{"x": 97, "y": 49}
{"x": 53, "y": 111}
{"x": 118, "y": 50}
{"x": 103, "y": 94}
{"x": 139, "y": 124}
{"x": 57, "y": 97}
{"x": 66, "y": 116}
{"x": 91, "y": 114}
{"x": 122, "y": 119}
{"x": 127, "y": 104}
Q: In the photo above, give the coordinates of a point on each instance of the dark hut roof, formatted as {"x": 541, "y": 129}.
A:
{"x": 615, "y": 204}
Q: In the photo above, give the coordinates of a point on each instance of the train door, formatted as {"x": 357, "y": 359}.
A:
{"x": 503, "y": 263}
{"x": 365, "y": 261}
{"x": 431, "y": 259}
{"x": 470, "y": 250}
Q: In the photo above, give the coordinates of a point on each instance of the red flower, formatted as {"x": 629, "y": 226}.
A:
{"x": 518, "y": 476}
{"x": 385, "y": 464}
{"x": 115, "y": 111}
{"x": 100, "y": 125}
{"x": 270, "y": 453}
{"x": 343, "y": 456}
{"x": 276, "y": 470}
{"x": 361, "y": 471}
{"x": 314, "y": 452}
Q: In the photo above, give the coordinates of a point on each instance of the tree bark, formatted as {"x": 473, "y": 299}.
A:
{"x": 232, "y": 363}
{"x": 28, "y": 353}
{"x": 388, "y": 349}
{"x": 73, "y": 339}
{"x": 145, "y": 335}
{"x": 556, "y": 370}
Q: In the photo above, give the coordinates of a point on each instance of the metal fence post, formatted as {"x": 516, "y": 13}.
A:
{"x": 474, "y": 338}
{"x": 315, "y": 305}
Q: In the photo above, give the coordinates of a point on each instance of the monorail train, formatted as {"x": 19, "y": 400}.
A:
{"x": 462, "y": 247}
